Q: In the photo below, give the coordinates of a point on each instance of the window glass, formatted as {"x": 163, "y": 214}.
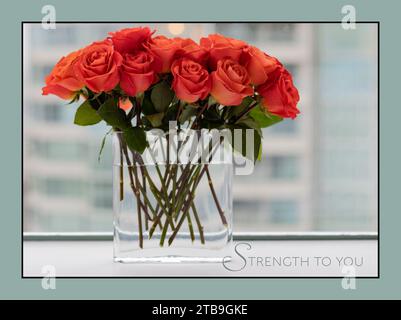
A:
{"x": 318, "y": 173}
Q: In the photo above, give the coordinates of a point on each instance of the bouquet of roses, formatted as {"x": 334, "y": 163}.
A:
{"x": 136, "y": 81}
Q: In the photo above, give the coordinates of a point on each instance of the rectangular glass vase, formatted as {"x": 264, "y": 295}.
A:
{"x": 169, "y": 207}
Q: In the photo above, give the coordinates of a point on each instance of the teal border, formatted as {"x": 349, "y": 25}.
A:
{"x": 387, "y": 287}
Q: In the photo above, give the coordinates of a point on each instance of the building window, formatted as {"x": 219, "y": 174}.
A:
{"x": 283, "y": 167}
{"x": 61, "y": 35}
{"x": 279, "y": 32}
{"x": 40, "y": 72}
{"x": 285, "y": 127}
{"x": 283, "y": 212}
{"x": 101, "y": 196}
{"x": 45, "y": 112}
{"x": 53, "y": 186}
{"x": 56, "y": 150}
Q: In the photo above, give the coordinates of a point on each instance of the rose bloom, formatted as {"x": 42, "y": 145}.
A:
{"x": 220, "y": 47}
{"x": 230, "y": 83}
{"x": 62, "y": 80}
{"x": 279, "y": 95}
{"x": 259, "y": 65}
{"x": 98, "y": 66}
{"x": 165, "y": 49}
{"x": 138, "y": 71}
{"x": 191, "y": 50}
{"x": 191, "y": 80}
{"x": 130, "y": 39}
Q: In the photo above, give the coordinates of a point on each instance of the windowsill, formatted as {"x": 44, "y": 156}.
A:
{"x": 89, "y": 258}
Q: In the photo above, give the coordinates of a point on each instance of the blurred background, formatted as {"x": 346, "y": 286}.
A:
{"x": 318, "y": 173}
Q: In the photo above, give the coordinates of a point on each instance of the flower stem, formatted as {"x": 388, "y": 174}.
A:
{"x": 139, "y": 211}
{"x": 198, "y": 223}
{"x": 197, "y": 220}
{"x": 244, "y": 112}
{"x": 216, "y": 200}
{"x": 185, "y": 210}
{"x": 121, "y": 173}
{"x": 146, "y": 205}
{"x": 136, "y": 192}
{"x": 135, "y": 188}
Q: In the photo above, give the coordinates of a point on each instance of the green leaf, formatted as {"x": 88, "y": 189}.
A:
{"x": 242, "y": 149}
{"x": 211, "y": 100}
{"x": 131, "y": 114}
{"x": 212, "y": 114}
{"x": 103, "y": 143}
{"x": 86, "y": 115}
{"x": 155, "y": 119}
{"x": 249, "y": 122}
{"x": 211, "y": 125}
{"x": 187, "y": 113}
{"x": 263, "y": 118}
{"x": 113, "y": 115}
{"x": 135, "y": 138}
{"x": 161, "y": 96}
{"x": 95, "y": 96}
{"x": 147, "y": 105}
{"x": 75, "y": 99}
{"x": 170, "y": 115}
{"x": 236, "y": 110}
{"x": 260, "y": 152}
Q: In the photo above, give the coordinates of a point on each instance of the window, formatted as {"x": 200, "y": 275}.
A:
{"x": 283, "y": 167}
{"x": 101, "y": 197}
{"x": 40, "y": 71}
{"x": 58, "y": 187}
{"x": 285, "y": 127}
{"x": 273, "y": 32}
{"x": 63, "y": 35}
{"x": 46, "y": 113}
{"x": 319, "y": 173}
{"x": 283, "y": 212}
{"x": 248, "y": 31}
{"x": 58, "y": 150}
{"x": 279, "y": 32}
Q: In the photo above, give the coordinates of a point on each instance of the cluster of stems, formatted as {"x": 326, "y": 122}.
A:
{"x": 167, "y": 203}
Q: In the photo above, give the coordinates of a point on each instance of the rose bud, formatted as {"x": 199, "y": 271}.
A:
{"x": 124, "y": 103}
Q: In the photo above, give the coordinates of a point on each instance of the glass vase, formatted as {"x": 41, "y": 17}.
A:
{"x": 173, "y": 202}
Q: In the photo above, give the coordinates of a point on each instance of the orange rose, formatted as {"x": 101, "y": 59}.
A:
{"x": 98, "y": 66}
{"x": 259, "y": 65}
{"x": 191, "y": 50}
{"x": 138, "y": 72}
{"x": 230, "y": 83}
{"x": 62, "y": 81}
{"x": 191, "y": 80}
{"x": 130, "y": 39}
{"x": 165, "y": 49}
{"x": 279, "y": 95}
{"x": 221, "y": 47}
